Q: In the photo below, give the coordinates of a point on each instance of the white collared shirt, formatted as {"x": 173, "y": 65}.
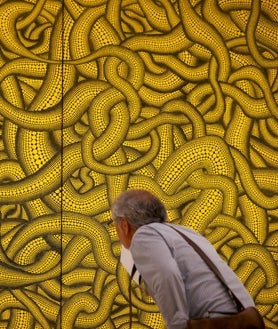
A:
{"x": 177, "y": 278}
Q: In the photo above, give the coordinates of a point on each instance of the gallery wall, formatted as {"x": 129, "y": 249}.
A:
{"x": 99, "y": 96}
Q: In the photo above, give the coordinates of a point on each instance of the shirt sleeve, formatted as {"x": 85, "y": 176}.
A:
{"x": 162, "y": 276}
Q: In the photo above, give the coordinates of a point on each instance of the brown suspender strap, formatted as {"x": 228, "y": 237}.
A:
{"x": 130, "y": 294}
{"x": 210, "y": 264}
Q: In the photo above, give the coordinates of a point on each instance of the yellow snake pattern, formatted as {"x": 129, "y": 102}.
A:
{"x": 179, "y": 97}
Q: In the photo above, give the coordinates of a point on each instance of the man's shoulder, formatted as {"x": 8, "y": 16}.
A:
{"x": 183, "y": 229}
{"x": 168, "y": 228}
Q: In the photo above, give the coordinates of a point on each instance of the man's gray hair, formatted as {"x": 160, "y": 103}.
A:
{"x": 139, "y": 207}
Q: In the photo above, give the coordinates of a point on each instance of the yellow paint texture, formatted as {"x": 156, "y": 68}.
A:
{"x": 96, "y": 96}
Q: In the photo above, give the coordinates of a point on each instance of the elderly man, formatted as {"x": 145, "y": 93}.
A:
{"x": 179, "y": 280}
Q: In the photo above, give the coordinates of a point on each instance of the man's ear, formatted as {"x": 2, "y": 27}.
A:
{"x": 127, "y": 231}
{"x": 125, "y": 225}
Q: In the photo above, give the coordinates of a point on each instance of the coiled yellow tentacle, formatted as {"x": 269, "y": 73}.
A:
{"x": 30, "y": 305}
{"x": 251, "y": 40}
{"x": 252, "y": 190}
{"x": 200, "y": 32}
{"x": 8, "y": 18}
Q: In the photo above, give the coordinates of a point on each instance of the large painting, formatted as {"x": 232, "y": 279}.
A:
{"x": 98, "y": 96}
